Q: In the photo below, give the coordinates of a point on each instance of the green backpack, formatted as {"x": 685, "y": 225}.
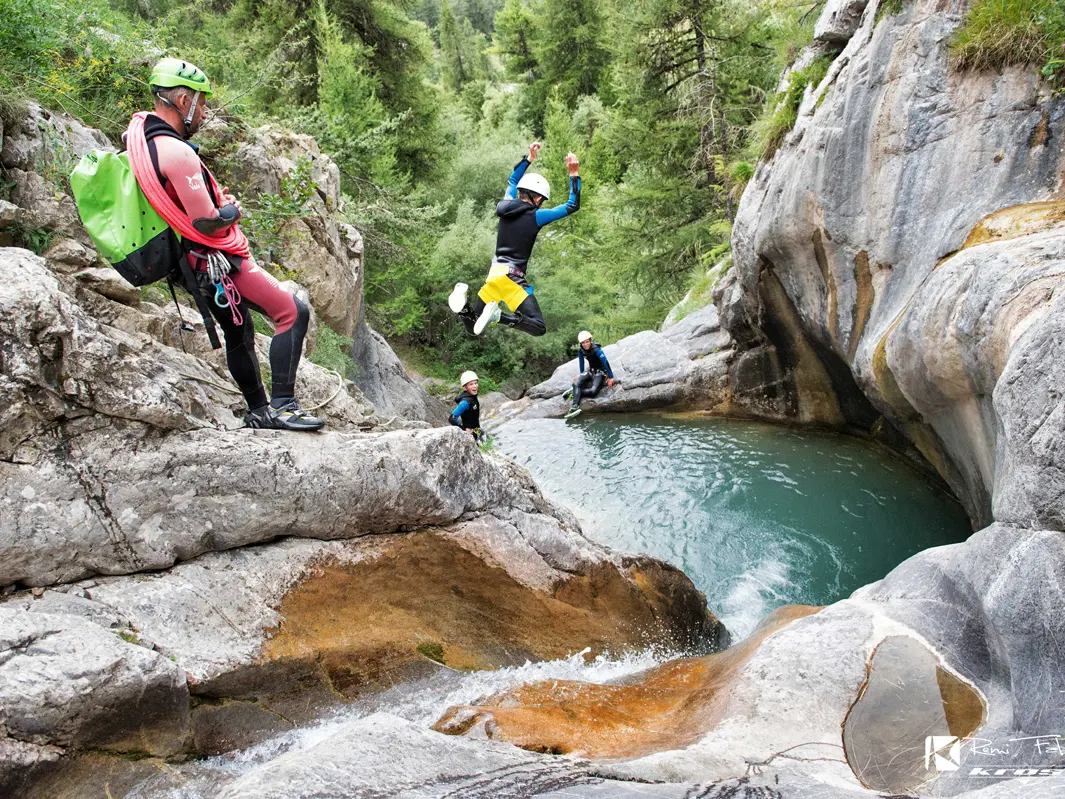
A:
{"x": 129, "y": 233}
{"x": 126, "y": 230}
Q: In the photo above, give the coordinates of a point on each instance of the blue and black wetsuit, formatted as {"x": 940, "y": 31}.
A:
{"x": 589, "y": 383}
{"x": 467, "y": 413}
{"x": 519, "y": 224}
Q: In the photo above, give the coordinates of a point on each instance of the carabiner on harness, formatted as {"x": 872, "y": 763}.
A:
{"x": 221, "y": 299}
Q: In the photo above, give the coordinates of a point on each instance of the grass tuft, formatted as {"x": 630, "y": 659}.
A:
{"x": 1003, "y": 33}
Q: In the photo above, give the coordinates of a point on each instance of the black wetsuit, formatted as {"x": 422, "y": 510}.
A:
{"x": 519, "y": 224}
{"x": 467, "y": 413}
{"x": 589, "y": 383}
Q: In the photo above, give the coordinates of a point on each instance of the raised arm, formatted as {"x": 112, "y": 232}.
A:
{"x": 545, "y": 216}
{"x": 519, "y": 170}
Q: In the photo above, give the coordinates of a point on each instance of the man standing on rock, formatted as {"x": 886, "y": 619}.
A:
{"x": 520, "y": 220}
{"x": 183, "y": 191}
{"x": 588, "y": 384}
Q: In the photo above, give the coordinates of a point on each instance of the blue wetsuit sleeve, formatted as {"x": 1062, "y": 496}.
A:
{"x": 515, "y": 176}
{"x": 545, "y": 216}
{"x": 606, "y": 363}
{"x": 580, "y": 359}
{"x": 456, "y": 415}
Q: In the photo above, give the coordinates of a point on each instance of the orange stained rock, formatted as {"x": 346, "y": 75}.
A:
{"x": 424, "y": 597}
{"x": 1016, "y": 221}
{"x": 666, "y": 707}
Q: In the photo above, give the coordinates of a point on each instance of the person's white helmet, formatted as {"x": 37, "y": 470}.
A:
{"x": 583, "y": 336}
{"x": 467, "y": 377}
{"x": 537, "y": 184}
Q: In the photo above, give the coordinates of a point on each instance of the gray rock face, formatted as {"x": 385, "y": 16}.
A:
{"x": 46, "y": 139}
{"x": 385, "y": 382}
{"x": 839, "y": 21}
{"x": 840, "y": 240}
{"x": 65, "y": 681}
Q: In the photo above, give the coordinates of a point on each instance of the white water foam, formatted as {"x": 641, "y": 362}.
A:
{"x": 754, "y": 594}
{"x": 421, "y": 702}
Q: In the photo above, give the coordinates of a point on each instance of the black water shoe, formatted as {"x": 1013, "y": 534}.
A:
{"x": 289, "y": 416}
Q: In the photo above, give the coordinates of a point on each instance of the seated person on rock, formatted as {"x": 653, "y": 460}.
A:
{"x": 520, "y": 220}
{"x": 588, "y": 383}
{"x": 467, "y": 413}
{"x": 236, "y": 283}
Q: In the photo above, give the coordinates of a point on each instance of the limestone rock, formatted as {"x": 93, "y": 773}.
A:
{"x": 68, "y": 255}
{"x": 855, "y": 244}
{"x": 45, "y": 206}
{"x": 839, "y": 21}
{"x": 384, "y": 380}
{"x": 388, "y": 756}
{"x": 47, "y": 139}
{"x": 108, "y": 283}
{"x": 653, "y": 370}
{"x": 66, "y": 682}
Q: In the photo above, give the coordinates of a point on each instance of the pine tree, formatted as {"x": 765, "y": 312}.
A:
{"x": 515, "y": 32}
{"x": 454, "y": 66}
{"x": 574, "y": 55}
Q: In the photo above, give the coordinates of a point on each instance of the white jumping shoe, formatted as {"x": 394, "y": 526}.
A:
{"x": 489, "y": 316}
{"x": 457, "y": 301}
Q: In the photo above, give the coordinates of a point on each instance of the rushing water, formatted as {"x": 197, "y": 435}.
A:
{"x": 756, "y": 515}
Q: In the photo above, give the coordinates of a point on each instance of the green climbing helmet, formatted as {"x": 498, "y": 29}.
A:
{"x": 171, "y": 72}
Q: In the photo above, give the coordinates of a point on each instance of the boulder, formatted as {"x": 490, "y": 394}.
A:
{"x": 685, "y": 368}
{"x": 66, "y": 682}
{"x": 384, "y": 380}
{"x": 47, "y": 140}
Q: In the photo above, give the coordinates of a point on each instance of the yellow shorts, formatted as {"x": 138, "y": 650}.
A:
{"x": 500, "y": 288}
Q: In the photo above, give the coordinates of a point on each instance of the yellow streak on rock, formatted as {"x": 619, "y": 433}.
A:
{"x": 1016, "y": 221}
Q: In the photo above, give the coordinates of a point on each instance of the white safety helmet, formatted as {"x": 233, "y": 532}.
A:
{"x": 583, "y": 336}
{"x": 537, "y": 184}
{"x": 467, "y": 377}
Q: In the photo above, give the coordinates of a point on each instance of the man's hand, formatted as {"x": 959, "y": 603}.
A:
{"x": 610, "y": 382}
{"x": 534, "y": 150}
{"x": 573, "y": 165}
{"x": 229, "y": 199}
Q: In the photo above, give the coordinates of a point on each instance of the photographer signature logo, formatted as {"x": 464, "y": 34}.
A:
{"x": 942, "y": 753}
{"x": 986, "y": 758}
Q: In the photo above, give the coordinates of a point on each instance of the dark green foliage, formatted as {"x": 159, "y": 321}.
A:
{"x": 657, "y": 98}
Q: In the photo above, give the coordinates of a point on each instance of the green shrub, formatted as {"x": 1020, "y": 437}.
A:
{"x": 1002, "y": 33}
{"x": 889, "y": 7}
{"x": 264, "y": 219}
{"x": 333, "y": 351}
{"x": 81, "y": 57}
{"x": 781, "y": 113}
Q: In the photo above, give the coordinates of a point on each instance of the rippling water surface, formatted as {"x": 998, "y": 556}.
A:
{"x": 757, "y": 515}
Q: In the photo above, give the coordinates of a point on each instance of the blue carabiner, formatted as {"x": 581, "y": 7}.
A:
{"x": 220, "y": 298}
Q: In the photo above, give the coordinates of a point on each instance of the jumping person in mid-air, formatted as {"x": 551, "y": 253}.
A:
{"x": 588, "y": 384}
{"x": 520, "y": 219}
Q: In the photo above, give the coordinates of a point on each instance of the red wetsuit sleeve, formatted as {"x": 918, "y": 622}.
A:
{"x": 184, "y": 174}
